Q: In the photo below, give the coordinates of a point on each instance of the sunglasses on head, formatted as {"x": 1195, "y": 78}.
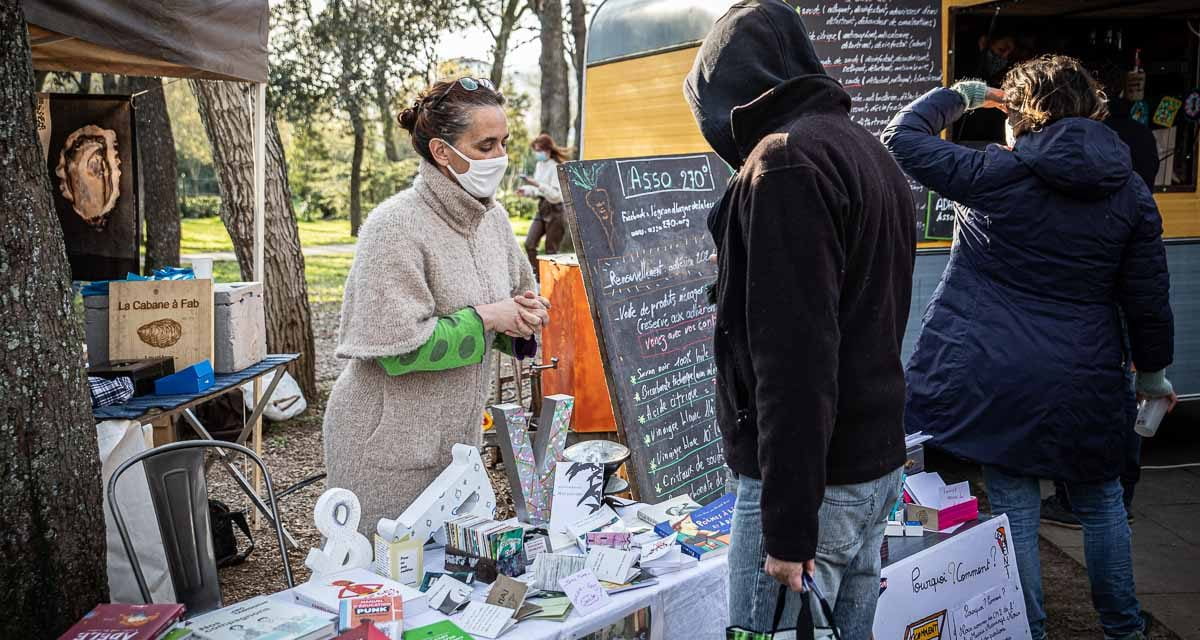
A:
{"x": 468, "y": 83}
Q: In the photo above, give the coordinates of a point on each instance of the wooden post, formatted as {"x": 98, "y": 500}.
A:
{"x": 260, "y": 250}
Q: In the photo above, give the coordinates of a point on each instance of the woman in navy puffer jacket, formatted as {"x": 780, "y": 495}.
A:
{"x": 1020, "y": 365}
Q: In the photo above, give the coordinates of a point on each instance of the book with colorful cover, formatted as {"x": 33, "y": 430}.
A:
{"x": 704, "y": 533}
{"x": 364, "y": 631}
{"x": 125, "y": 621}
{"x": 263, "y": 618}
{"x": 177, "y": 633}
{"x": 386, "y": 613}
{"x": 508, "y": 550}
{"x": 325, "y": 592}
{"x": 444, "y": 630}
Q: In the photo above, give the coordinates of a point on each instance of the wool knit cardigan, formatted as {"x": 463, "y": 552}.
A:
{"x": 425, "y": 252}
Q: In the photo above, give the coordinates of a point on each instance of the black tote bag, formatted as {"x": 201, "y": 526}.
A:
{"x": 805, "y": 628}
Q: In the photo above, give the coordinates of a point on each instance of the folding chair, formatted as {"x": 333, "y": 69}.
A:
{"x": 179, "y": 493}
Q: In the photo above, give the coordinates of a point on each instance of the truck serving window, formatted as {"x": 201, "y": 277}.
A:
{"x": 1148, "y": 55}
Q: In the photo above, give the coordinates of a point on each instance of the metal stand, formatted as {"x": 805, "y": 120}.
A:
{"x": 237, "y": 475}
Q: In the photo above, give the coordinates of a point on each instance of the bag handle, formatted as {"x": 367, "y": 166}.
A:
{"x": 239, "y": 518}
{"x": 804, "y": 621}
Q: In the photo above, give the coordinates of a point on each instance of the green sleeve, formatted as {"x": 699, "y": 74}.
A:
{"x": 503, "y": 344}
{"x": 457, "y": 341}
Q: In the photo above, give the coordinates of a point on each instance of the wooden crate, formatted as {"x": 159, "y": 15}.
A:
{"x": 161, "y": 318}
{"x": 571, "y": 338}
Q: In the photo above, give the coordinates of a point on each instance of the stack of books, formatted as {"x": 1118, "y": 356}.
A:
{"x": 487, "y": 538}
{"x": 326, "y": 592}
{"x": 703, "y": 533}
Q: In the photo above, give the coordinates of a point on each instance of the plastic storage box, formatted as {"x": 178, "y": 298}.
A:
{"x": 194, "y": 379}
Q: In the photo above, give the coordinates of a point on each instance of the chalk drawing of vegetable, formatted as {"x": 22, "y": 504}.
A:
{"x": 596, "y": 197}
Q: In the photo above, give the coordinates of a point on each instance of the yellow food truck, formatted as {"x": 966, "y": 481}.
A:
{"x": 638, "y": 52}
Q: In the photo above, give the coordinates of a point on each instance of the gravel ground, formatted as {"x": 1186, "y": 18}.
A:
{"x": 292, "y": 451}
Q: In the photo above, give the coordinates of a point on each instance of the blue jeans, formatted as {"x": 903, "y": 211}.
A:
{"x": 1106, "y": 547}
{"x": 852, "y": 519}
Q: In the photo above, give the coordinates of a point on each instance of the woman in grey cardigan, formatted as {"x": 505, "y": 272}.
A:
{"x": 437, "y": 281}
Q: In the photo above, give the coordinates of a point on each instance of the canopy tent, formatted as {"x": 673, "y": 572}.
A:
{"x": 183, "y": 38}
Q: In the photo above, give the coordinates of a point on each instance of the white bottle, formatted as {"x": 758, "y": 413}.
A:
{"x": 1150, "y": 414}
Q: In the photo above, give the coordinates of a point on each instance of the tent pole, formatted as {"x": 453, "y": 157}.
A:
{"x": 260, "y": 194}
{"x": 260, "y": 172}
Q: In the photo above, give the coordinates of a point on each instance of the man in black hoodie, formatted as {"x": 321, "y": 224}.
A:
{"x": 815, "y": 243}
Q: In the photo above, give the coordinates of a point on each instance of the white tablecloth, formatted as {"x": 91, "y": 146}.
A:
{"x": 690, "y": 604}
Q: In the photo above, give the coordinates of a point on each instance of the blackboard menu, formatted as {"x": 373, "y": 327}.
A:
{"x": 886, "y": 54}
{"x": 644, "y": 250}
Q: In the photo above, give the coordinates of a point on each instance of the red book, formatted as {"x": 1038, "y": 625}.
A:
{"x": 125, "y": 622}
{"x": 364, "y": 631}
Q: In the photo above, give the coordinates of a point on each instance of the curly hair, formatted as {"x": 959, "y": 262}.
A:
{"x": 1047, "y": 89}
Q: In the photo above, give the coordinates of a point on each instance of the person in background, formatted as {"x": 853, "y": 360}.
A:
{"x": 996, "y": 53}
{"x": 1019, "y": 365}
{"x": 437, "y": 282}
{"x": 815, "y": 250}
{"x": 543, "y": 185}
{"x": 1143, "y": 152}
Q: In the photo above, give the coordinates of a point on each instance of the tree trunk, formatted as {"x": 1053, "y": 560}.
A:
{"x": 555, "y": 93}
{"x": 85, "y": 82}
{"x": 500, "y": 53}
{"x": 579, "y": 34}
{"x": 156, "y": 159}
{"x": 383, "y": 100}
{"x": 509, "y": 16}
{"x": 226, "y": 114}
{"x": 52, "y": 542}
{"x": 360, "y": 141}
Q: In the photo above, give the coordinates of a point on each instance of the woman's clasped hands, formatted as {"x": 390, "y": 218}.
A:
{"x": 518, "y": 317}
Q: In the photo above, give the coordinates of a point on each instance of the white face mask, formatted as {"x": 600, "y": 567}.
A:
{"x": 1009, "y": 136}
{"x": 483, "y": 176}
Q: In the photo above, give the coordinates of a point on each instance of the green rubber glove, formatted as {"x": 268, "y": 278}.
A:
{"x": 973, "y": 93}
{"x": 1154, "y": 384}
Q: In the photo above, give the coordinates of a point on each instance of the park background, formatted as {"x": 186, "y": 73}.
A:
{"x": 340, "y": 72}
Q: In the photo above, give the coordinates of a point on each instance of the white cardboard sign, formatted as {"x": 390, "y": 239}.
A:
{"x": 957, "y": 590}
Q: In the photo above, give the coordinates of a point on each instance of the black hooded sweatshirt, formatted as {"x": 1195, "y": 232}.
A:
{"x": 815, "y": 241}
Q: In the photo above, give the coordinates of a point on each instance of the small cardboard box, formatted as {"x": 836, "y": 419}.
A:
{"x": 914, "y": 459}
{"x": 159, "y": 319}
{"x": 239, "y": 325}
{"x": 143, "y": 373}
{"x": 938, "y": 519}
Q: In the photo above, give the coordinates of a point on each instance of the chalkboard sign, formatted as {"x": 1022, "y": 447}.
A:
{"x": 886, "y": 54}
{"x": 644, "y": 250}
{"x": 939, "y": 217}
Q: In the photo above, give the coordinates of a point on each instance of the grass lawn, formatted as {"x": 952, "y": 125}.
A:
{"x": 326, "y": 275}
{"x": 202, "y": 235}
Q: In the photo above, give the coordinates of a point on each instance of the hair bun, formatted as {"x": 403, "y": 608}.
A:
{"x": 408, "y": 117}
